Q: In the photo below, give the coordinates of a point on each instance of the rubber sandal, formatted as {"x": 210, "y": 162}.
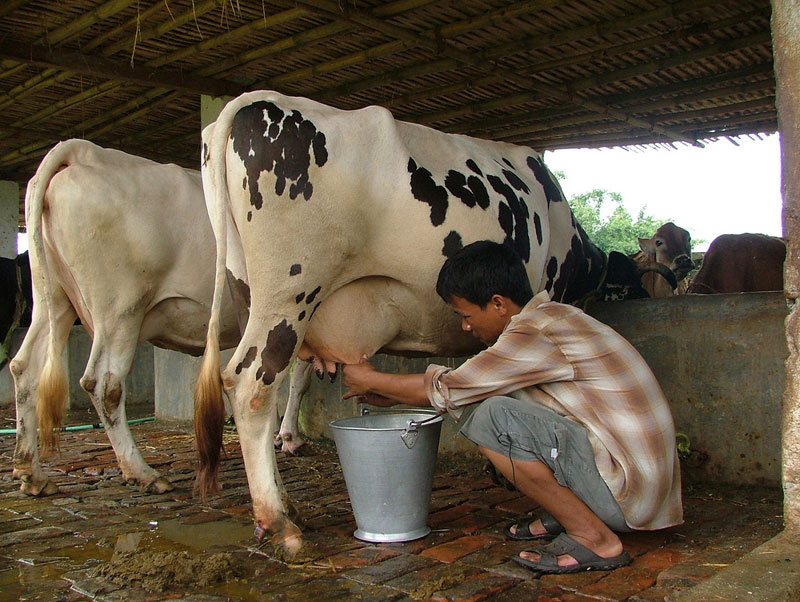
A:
{"x": 564, "y": 544}
{"x": 523, "y": 533}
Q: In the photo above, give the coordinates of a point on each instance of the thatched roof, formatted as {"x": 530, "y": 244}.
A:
{"x": 551, "y": 74}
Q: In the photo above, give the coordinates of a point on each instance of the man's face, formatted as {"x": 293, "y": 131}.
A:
{"x": 484, "y": 323}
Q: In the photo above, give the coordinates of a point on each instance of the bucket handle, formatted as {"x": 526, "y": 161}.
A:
{"x": 410, "y": 433}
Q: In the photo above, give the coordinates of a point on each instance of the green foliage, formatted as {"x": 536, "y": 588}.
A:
{"x": 615, "y": 231}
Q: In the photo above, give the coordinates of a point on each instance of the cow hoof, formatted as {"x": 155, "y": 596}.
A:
{"x": 290, "y": 446}
{"x": 259, "y": 532}
{"x": 37, "y": 489}
{"x": 160, "y": 485}
{"x": 291, "y": 545}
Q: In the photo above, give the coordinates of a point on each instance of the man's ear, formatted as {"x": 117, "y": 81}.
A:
{"x": 500, "y": 304}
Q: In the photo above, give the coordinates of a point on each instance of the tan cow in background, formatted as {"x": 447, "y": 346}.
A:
{"x": 671, "y": 246}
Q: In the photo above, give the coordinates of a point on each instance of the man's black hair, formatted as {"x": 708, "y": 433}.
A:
{"x": 482, "y": 269}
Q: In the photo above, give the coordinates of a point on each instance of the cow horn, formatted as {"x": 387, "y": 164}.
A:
{"x": 667, "y": 273}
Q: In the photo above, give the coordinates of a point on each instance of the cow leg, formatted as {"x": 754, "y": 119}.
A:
{"x": 254, "y": 410}
{"x": 26, "y": 369}
{"x": 109, "y": 362}
{"x": 288, "y": 438}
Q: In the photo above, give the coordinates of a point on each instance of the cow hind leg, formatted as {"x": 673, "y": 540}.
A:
{"x": 254, "y": 411}
{"x": 288, "y": 438}
{"x": 26, "y": 369}
{"x": 104, "y": 381}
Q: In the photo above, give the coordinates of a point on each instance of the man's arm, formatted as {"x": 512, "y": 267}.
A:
{"x": 383, "y": 388}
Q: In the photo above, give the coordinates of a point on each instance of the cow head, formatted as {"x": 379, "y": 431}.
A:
{"x": 671, "y": 246}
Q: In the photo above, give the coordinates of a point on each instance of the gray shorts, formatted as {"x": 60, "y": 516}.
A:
{"x": 524, "y": 430}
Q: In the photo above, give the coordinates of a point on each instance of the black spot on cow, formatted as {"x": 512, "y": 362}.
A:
{"x": 249, "y": 216}
{"x": 552, "y": 191}
{"x": 622, "y": 279}
{"x": 247, "y": 361}
{"x": 205, "y": 154}
{"x": 582, "y": 270}
{"x": 474, "y": 167}
{"x": 425, "y": 189}
{"x": 471, "y": 190}
{"x": 312, "y": 295}
{"x": 295, "y": 269}
{"x": 313, "y": 311}
{"x": 515, "y": 181}
{"x": 537, "y": 224}
{"x": 240, "y": 294}
{"x": 277, "y": 353}
{"x": 299, "y": 297}
{"x": 239, "y": 289}
{"x": 16, "y": 300}
{"x": 452, "y": 244}
{"x": 551, "y": 270}
{"x": 568, "y": 269}
{"x": 507, "y": 162}
{"x": 266, "y": 139}
{"x": 302, "y": 316}
{"x": 513, "y": 218}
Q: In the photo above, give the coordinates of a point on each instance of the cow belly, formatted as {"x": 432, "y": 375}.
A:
{"x": 180, "y": 324}
{"x": 381, "y": 314}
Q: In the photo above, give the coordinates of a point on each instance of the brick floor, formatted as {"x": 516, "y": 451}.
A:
{"x": 53, "y": 548}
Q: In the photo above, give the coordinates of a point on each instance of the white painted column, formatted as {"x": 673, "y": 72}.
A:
{"x": 176, "y": 373}
{"x": 9, "y": 218}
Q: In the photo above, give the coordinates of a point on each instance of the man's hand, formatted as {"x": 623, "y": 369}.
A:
{"x": 357, "y": 378}
{"x": 384, "y": 389}
{"x": 374, "y": 399}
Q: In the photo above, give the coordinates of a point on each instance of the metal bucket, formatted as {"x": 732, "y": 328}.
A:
{"x": 388, "y": 459}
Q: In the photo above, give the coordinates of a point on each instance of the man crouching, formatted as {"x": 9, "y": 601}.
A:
{"x": 569, "y": 412}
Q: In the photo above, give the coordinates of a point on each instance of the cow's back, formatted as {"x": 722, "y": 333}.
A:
{"x": 366, "y": 196}
{"x": 741, "y": 263}
{"x": 123, "y": 233}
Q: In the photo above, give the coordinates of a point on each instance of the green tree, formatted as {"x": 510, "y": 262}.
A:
{"x": 616, "y": 231}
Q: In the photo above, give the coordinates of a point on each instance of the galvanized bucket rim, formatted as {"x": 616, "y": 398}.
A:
{"x": 402, "y": 411}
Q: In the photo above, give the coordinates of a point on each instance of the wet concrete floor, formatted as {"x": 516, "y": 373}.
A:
{"x": 101, "y": 539}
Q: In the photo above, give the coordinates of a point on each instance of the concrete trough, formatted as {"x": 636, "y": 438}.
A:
{"x": 719, "y": 359}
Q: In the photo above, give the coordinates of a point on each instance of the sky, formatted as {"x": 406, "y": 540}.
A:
{"x": 720, "y": 189}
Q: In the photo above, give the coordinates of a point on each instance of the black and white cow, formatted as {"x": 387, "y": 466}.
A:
{"x": 16, "y": 300}
{"x": 346, "y": 217}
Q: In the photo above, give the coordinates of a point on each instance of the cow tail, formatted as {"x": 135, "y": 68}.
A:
{"x": 209, "y": 418}
{"x": 52, "y": 394}
{"x": 209, "y": 406}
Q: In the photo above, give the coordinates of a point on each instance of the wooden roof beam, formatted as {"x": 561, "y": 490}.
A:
{"x": 587, "y": 83}
{"x": 112, "y": 70}
{"x": 514, "y": 47}
{"x": 579, "y": 124}
{"x": 498, "y": 128}
{"x": 565, "y": 61}
{"x": 306, "y": 39}
{"x": 51, "y": 76}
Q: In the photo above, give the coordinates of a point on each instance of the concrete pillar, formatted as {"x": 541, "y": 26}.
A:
{"x": 139, "y": 382}
{"x": 786, "y": 50}
{"x": 176, "y": 373}
{"x": 175, "y": 378}
{"x": 210, "y": 107}
{"x": 9, "y": 218}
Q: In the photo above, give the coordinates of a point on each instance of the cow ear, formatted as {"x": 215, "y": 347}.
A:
{"x": 647, "y": 245}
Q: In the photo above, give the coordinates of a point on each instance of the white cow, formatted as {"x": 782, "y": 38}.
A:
{"x": 125, "y": 244}
{"x": 346, "y": 217}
